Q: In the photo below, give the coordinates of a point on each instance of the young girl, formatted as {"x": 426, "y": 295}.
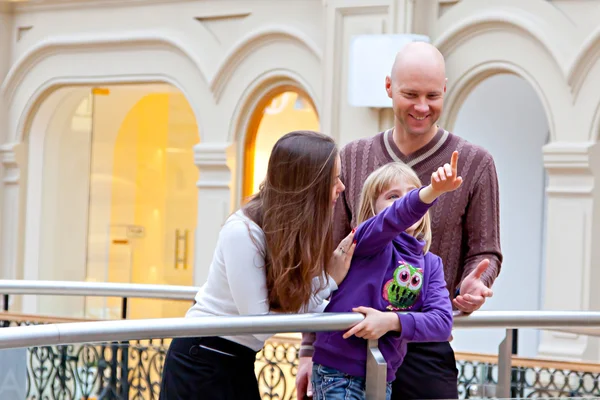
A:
{"x": 393, "y": 280}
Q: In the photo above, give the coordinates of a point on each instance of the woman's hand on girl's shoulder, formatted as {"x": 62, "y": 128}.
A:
{"x": 341, "y": 258}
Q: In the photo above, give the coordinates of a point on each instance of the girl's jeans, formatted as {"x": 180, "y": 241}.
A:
{"x": 331, "y": 384}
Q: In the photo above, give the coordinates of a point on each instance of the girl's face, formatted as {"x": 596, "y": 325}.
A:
{"x": 397, "y": 189}
{"x": 338, "y": 185}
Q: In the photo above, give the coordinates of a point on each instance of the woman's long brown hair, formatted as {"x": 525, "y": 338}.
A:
{"x": 294, "y": 209}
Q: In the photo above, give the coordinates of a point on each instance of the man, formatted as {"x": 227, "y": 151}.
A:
{"x": 465, "y": 223}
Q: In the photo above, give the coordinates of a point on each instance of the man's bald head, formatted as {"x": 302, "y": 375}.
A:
{"x": 419, "y": 57}
{"x": 417, "y": 85}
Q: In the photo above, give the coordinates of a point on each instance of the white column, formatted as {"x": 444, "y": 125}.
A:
{"x": 5, "y": 53}
{"x": 214, "y": 201}
{"x": 572, "y": 237}
{"x": 13, "y": 158}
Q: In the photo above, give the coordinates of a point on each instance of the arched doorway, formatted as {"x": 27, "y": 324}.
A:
{"x": 119, "y": 196}
{"x": 281, "y": 111}
{"x": 504, "y": 115}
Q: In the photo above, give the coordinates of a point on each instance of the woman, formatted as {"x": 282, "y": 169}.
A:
{"x": 274, "y": 255}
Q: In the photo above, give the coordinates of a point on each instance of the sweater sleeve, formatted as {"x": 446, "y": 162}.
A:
{"x": 318, "y": 300}
{"x": 482, "y": 225}
{"x": 434, "y": 322}
{"x": 242, "y": 245}
{"x": 373, "y": 235}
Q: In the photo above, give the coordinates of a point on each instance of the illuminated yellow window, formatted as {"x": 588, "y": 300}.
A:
{"x": 280, "y": 112}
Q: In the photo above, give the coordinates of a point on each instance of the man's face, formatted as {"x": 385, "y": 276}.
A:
{"x": 417, "y": 94}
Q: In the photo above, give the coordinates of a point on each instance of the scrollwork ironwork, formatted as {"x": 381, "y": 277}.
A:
{"x": 133, "y": 370}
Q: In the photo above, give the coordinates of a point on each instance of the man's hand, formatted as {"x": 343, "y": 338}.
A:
{"x": 303, "y": 384}
{"x": 375, "y": 325}
{"x": 473, "y": 292}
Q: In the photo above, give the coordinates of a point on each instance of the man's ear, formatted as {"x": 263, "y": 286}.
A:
{"x": 388, "y": 86}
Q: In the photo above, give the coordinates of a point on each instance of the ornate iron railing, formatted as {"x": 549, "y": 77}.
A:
{"x": 531, "y": 378}
{"x": 96, "y": 372}
{"x": 132, "y": 370}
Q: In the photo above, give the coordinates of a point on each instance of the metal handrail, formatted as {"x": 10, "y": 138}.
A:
{"x": 137, "y": 329}
{"x": 121, "y": 330}
{"x": 103, "y": 289}
{"x": 553, "y": 320}
{"x": 564, "y": 320}
{"x": 529, "y": 319}
{"x": 125, "y": 330}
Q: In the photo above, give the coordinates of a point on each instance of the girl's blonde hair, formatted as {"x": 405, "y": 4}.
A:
{"x": 379, "y": 181}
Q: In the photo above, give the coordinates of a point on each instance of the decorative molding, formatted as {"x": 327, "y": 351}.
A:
{"x": 445, "y": 5}
{"x": 222, "y": 16}
{"x": 45, "y": 5}
{"x": 584, "y": 60}
{"x": 43, "y": 91}
{"x": 206, "y": 20}
{"x": 364, "y": 9}
{"x": 595, "y": 125}
{"x": 250, "y": 43}
{"x": 498, "y": 19}
{"x": 211, "y": 160}
{"x": 212, "y": 184}
{"x": 89, "y": 42}
{"x": 571, "y": 168}
{"x": 568, "y": 157}
{"x": 211, "y": 154}
{"x": 9, "y": 162}
{"x": 22, "y": 31}
{"x": 404, "y": 18}
{"x": 463, "y": 87}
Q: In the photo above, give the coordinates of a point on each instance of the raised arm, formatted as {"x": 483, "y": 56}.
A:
{"x": 377, "y": 232}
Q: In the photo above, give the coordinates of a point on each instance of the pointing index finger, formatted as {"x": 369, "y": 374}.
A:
{"x": 454, "y": 162}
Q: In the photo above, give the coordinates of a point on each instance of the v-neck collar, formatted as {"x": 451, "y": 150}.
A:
{"x": 421, "y": 154}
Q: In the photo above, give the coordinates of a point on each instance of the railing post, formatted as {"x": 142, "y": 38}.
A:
{"x": 5, "y": 324}
{"x": 124, "y": 308}
{"x": 516, "y": 387}
{"x": 124, "y": 357}
{"x": 505, "y": 366}
{"x": 376, "y": 377}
